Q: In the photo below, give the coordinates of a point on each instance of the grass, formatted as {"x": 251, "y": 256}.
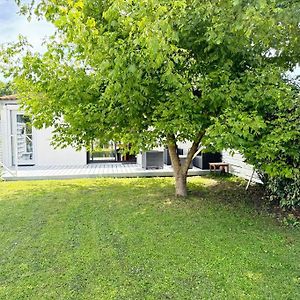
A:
{"x": 131, "y": 239}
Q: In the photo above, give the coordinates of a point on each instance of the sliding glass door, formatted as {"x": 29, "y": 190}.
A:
{"x": 109, "y": 152}
{"x": 103, "y": 152}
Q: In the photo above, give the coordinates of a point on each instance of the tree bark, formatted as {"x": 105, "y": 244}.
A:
{"x": 180, "y": 177}
{"x": 181, "y": 171}
{"x": 181, "y": 185}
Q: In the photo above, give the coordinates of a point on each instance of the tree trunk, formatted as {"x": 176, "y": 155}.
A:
{"x": 180, "y": 185}
{"x": 180, "y": 175}
{"x": 181, "y": 171}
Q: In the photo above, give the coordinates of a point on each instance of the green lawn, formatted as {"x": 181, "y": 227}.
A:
{"x": 131, "y": 239}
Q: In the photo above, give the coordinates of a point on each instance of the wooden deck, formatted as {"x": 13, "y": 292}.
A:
{"x": 91, "y": 171}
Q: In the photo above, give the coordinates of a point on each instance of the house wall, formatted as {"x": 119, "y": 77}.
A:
{"x": 44, "y": 153}
{"x": 1, "y": 133}
{"x": 185, "y": 146}
{"x": 238, "y": 167}
{"x": 4, "y": 133}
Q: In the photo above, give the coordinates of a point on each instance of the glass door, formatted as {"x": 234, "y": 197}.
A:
{"x": 100, "y": 152}
{"x": 21, "y": 140}
{"x": 109, "y": 152}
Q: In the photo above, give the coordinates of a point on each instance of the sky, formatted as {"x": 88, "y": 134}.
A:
{"x": 12, "y": 24}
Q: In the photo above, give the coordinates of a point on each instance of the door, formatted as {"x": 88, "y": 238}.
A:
{"x": 109, "y": 152}
{"x": 21, "y": 140}
{"x": 100, "y": 152}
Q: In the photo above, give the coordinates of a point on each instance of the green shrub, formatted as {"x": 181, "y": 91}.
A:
{"x": 284, "y": 191}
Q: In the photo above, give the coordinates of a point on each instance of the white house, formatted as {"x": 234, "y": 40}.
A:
{"x": 24, "y": 145}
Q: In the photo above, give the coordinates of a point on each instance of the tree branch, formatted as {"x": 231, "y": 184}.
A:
{"x": 172, "y": 148}
{"x": 192, "y": 151}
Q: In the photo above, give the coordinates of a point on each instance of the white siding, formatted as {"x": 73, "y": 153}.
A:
{"x": 46, "y": 155}
{"x": 4, "y": 137}
{"x": 185, "y": 146}
{"x": 238, "y": 167}
{"x": 1, "y": 133}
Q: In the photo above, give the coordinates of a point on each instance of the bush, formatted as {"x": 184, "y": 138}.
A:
{"x": 284, "y": 191}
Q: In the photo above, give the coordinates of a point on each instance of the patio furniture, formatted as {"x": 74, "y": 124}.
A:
{"x": 152, "y": 160}
{"x": 223, "y": 167}
{"x": 167, "y": 157}
{"x": 203, "y": 159}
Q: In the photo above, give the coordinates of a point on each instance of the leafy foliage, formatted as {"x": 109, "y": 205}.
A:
{"x": 267, "y": 133}
{"x": 5, "y": 88}
{"x": 269, "y": 138}
{"x": 284, "y": 191}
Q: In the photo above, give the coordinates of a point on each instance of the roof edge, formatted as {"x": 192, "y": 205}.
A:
{"x": 9, "y": 98}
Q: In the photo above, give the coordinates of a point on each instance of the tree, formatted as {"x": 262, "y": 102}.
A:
{"x": 270, "y": 142}
{"x": 269, "y": 138}
{"x": 154, "y": 72}
{"x": 5, "y": 88}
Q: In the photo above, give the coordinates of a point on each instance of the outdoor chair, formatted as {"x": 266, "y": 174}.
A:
{"x": 153, "y": 160}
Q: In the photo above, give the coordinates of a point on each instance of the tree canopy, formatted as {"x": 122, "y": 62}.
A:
{"x": 5, "y": 88}
{"x": 154, "y": 72}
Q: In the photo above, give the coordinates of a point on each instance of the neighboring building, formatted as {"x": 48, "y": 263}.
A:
{"x": 238, "y": 167}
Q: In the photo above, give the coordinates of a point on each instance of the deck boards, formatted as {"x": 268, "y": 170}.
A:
{"x": 92, "y": 171}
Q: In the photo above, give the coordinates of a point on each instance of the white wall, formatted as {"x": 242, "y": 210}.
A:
{"x": 186, "y": 146}
{"x": 4, "y": 134}
{"x": 1, "y": 133}
{"x": 46, "y": 155}
{"x": 238, "y": 167}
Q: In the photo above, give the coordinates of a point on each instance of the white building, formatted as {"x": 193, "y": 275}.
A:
{"x": 24, "y": 145}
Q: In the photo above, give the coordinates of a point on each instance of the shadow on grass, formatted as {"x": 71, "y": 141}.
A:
{"x": 228, "y": 189}
{"x": 213, "y": 189}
